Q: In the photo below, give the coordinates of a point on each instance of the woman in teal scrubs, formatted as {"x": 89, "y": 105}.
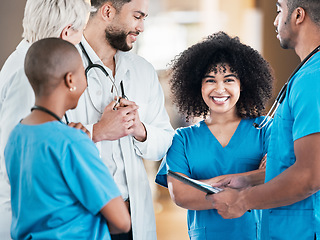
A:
{"x": 227, "y": 84}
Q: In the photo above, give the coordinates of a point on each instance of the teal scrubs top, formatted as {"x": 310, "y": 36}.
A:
{"x": 297, "y": 116}
{"x": 196, "y": 153}
{"x": 58, "y": 183}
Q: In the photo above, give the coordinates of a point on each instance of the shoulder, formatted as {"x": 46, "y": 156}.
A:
{"x": 191, "y": 130}
{"x": 13, "y": 68}
{"x": 308, "y": 76}
{"x": 138, "y": 62}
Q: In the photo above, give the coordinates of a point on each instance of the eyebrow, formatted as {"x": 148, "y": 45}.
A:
{"x": 209, "y": 76}
{"x": 278, "y": 4}
{"x": 229, "y": 75}
{"x": 141, "y": 13}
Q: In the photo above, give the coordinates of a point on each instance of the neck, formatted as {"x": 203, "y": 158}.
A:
{"x": 215, "y": 118}
{"x": 308, "y": 40}
{"x": 52, "y": 110}
{"x": 100, "y": 46}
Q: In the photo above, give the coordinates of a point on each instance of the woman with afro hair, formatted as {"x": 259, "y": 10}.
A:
{"x": 228, "y": 84}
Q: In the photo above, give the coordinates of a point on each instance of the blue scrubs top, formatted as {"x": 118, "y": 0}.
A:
{"x": 297, "y": 116}
{"x": 196, "y": 153}
{"x": 58, "y": 183}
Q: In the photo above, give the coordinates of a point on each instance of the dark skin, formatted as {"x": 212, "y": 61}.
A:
{"x": 300, "y": 180}
{"x": 63, "y": 97}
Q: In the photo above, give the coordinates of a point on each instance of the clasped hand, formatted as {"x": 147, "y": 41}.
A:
{"x": 229, "y": 202}
{"x": 119, "y": 121}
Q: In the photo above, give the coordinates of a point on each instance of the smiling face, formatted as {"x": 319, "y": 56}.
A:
{"x": 127, "y": 25}
{"x": 221, "y": 90}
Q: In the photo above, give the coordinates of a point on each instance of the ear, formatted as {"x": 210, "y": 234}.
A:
{"x": 68, "y": 81}
{"x": 107, "y": 11}
{"x": 300, "y": 15}
{"x": 66, "y": 32}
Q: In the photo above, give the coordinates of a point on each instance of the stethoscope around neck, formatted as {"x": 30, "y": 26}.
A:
{"x": 92, "y": 65}
{"x": 282, "y": 93}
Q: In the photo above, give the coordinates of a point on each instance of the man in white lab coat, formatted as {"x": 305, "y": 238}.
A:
{"x": 134, "y": 127}
{"x": 16, "y": 95}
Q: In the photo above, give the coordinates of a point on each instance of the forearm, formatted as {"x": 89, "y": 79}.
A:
{"x": 156, "y": 144}
{"x": 291, "y": 186}
{"x": 187, "y": 197}
{"x": 255, "y": 177}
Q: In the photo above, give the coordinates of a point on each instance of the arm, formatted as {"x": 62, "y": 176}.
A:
{"x": 239, "y": 180}
{"x": 17, "y": 98}
{"x": 296, "y": 183}
{"x": 186, "y": 196}
{"x": 156, "y": 122}
{"x": 117, "y": 216}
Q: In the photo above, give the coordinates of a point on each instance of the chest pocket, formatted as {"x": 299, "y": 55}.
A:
{"x": 281, "y": 140}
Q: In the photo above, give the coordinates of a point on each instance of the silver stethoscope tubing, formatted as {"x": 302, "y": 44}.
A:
{"x": 282, "y": 93}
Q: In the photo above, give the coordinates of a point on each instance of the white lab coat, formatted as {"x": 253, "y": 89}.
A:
{"x": 16, "y": 100}
{"x": 141, "y": 85}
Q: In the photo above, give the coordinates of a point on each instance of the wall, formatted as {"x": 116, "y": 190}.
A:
{"x": 11, "y": 14}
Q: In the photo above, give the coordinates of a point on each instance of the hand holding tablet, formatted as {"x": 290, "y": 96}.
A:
{"x": 195, "y": 183}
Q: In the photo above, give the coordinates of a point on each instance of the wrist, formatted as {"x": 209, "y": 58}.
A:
{"x": 97, "y": 135}
{"x": 142, "y": 136}
{"x": 243, "y": 198}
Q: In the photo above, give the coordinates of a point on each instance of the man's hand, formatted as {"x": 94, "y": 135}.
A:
{"x": 79, "y": 126}
{"x": 228, "y": 203}
{"x": 231, "y": 181}
{"x": 116, "y": 122}
{"x": 138, "y": 130}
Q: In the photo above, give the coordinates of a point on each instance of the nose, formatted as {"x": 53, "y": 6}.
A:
{"x": 275, "y": 22}
{"x": 140, "y": 26}
{"x": 220, "y": 88}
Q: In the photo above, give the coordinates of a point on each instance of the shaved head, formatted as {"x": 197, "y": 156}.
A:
{"x": 48, "y": 61}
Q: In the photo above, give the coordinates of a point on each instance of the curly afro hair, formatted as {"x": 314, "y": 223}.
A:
{"x": 189, "y": 68}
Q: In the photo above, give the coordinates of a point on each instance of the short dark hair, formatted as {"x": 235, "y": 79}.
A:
{"x": 117, "y": 4}
{"x": 312, "y": 7}
{"x": 47, "y": 62}
{"x": 189, "y": 68}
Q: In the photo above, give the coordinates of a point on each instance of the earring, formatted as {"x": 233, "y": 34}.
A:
{"x": 73, "y": 89}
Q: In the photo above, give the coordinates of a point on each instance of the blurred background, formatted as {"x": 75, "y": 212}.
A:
{"x": 171, "y": 27}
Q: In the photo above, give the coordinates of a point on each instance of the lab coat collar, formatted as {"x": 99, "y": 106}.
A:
{"x": 122, "y": 59}
{"x": 23, "y": 46}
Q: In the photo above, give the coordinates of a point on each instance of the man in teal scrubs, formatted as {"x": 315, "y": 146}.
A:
{"x": 292, "y": 181}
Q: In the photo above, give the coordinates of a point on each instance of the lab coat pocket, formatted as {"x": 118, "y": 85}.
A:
{"x": 287, "y": 224}
{"x": 197, "y": 234}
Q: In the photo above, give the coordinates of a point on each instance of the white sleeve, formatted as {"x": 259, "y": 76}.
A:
{"x": 16, "y": 102}
{"x": 157, "y": 124}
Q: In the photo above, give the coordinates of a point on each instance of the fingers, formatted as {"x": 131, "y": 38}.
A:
{"x": 221, "y": 183}
{"x": 79, "y": 126}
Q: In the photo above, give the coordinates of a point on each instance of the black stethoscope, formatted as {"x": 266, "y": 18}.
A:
{"x": 282, "y": 93}
{"x": 43, "y": 109}
{"x": 92, "y": 65}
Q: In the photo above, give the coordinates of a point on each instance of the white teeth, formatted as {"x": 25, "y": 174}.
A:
{"x": 220, "y": 99}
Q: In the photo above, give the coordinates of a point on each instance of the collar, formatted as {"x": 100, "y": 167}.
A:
{"x": 122, "y": 59}
{"x": 23, "y": 46}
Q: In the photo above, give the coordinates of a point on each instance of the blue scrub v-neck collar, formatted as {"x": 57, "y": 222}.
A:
{"x": 232, "y": 139}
